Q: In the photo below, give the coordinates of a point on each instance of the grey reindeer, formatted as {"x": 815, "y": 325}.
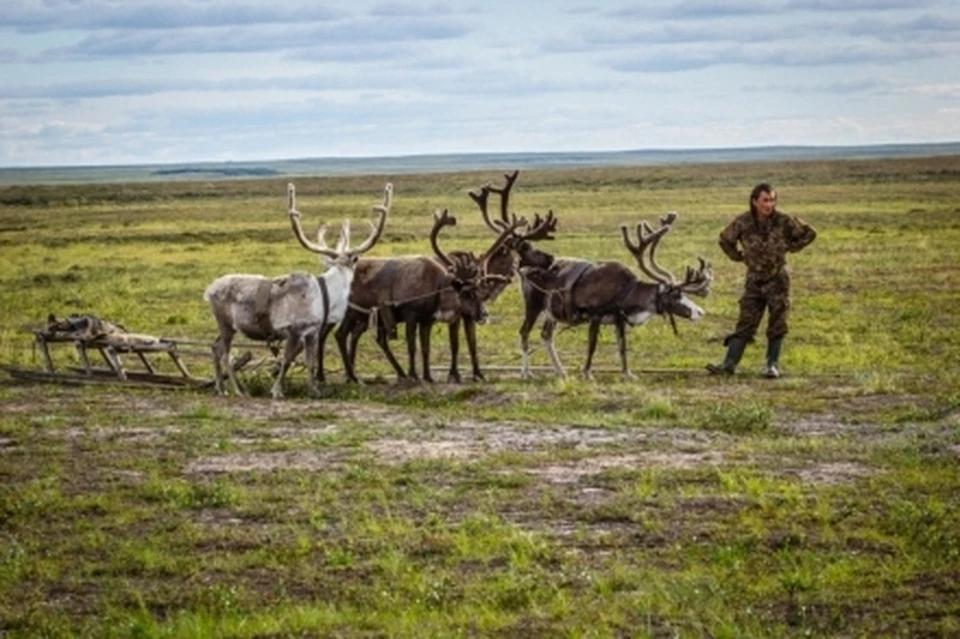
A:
{"x": 293, "y": 307}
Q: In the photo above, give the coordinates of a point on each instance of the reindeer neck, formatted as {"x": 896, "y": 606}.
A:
{"x": 338, "y": 274}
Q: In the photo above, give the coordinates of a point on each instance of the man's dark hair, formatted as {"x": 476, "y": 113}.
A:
{"x": 763, "y": 187}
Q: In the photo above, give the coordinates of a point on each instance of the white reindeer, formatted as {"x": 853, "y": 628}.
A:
{"x": 294, "y": 307}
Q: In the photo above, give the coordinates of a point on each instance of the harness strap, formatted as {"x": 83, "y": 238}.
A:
{"x": 325, "y": 294}
{"x": 574, "y": 276}
{"x": 382, "y": 310}
{"x": 663, "y": 310}
{"x": 565, "y": 292}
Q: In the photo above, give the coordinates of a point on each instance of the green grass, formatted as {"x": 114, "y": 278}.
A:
{"x": 821, "y": 504}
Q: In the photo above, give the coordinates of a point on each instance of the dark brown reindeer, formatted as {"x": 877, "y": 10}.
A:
{"x": 516, "y": 252}
{"x": 417, "y": 292}
{"x": 574, "y": 291}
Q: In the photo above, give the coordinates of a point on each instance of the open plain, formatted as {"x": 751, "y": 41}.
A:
{"x": 677, "y": 504}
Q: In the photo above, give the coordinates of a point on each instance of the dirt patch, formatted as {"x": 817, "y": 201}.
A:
{"x": 573, "y": 472}
{"x": 471, "y": 439}
{"x": 261, "y": 462}
{"x": 131, "y": 434}
{"x": 831, "y": 474}
{"x": 284, "y": 434}
{"x": 397, "y": 451}
{"x": 257, "y": 409}
{"x": 829, "y": 425}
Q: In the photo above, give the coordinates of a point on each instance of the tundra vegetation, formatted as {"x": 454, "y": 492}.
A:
{"x": 823, "y": 503}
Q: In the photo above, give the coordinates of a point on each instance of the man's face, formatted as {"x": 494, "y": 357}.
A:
{"x": 765, "y": 203}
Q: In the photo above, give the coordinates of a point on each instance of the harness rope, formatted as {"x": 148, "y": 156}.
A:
{"x": 373, "y": 311}
{"x": 660, "y": 308}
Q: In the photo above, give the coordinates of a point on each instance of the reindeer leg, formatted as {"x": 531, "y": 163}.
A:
{"x": 347, "y": 335}
{"x": 592, "y": 334}
{"x": 453, "y": 328}
{"x": 547, "y": 334}
{"x": 227, "y": 338}
{"x": 290, "y": 350}
{"x": 411, "y": 334}
{"x": 276, "y": 366}
{"x": 321, "y": 342}
{"x": 217, "y": 351}
{"x": 622, "y": 349}
{"x": 311, "y": 350}
{"x": 382, "y": 342}
{"x": 531, "y": 313}
{"x": 425, "y": 328}
{"x": 470, "y": 330}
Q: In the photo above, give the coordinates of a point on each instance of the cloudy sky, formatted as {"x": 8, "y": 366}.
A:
{"x": 141, "y": 81}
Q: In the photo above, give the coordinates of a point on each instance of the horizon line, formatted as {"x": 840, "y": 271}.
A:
{"x": 480, "y": 154}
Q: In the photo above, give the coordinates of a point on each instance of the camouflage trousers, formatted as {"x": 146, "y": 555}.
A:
{"x": 759, "y": 294}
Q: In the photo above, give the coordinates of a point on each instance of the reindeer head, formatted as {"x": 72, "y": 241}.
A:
{"x": 471, "y": 276}
{"x": 671, "y": 297}
{"x": 518, "y": 244}
{"x": 341, "y": 255}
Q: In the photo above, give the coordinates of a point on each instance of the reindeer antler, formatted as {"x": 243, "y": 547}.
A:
{"x": 647, "y": 239}
{"x": 697, "y": 281}
{"x": 481, "y": 199}
{"x": 376, "y": 230}
{"x": 504, "y": 193}
{"x": 505, "y": 234}
{"x": 343, "y": 243}
{"x": 440, "y": 220}
{"x": 542, "y": 228}
{"x": 463, "y": 267}
{"x": 320, "y": 246}
{"x": 665, "y": 222}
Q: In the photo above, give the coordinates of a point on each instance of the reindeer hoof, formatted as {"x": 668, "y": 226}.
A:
{"x": 478, "y": 377}
{"x": 629, "y": 377}
{"x": 454, "y": 378}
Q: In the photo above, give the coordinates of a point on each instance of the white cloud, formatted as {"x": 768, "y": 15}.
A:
{"x": 32, "y": 16}
{"x": 940, "y": 91}
{"x": 143, "y": 81}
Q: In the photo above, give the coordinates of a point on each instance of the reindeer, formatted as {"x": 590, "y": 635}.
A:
{"x": 294, "y": 307}
{"x": 516, "y": 252}
{"x": 416, "y": 291}
{"x": 574, "y": 291}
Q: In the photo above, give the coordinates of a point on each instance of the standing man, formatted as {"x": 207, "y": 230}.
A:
{"x": 761, "y": 239}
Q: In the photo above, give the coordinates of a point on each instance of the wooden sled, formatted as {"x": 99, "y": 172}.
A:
{"x": 89, "y": 335}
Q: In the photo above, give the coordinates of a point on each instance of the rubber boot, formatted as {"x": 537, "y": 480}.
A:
{"x": 772, "y": 371}
{"x": 735, "y": 347}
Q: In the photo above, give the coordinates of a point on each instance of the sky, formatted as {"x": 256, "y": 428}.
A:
{"x": 91, "y": 82}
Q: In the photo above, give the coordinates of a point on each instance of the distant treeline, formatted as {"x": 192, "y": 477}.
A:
{"x": 226, "y": 171}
